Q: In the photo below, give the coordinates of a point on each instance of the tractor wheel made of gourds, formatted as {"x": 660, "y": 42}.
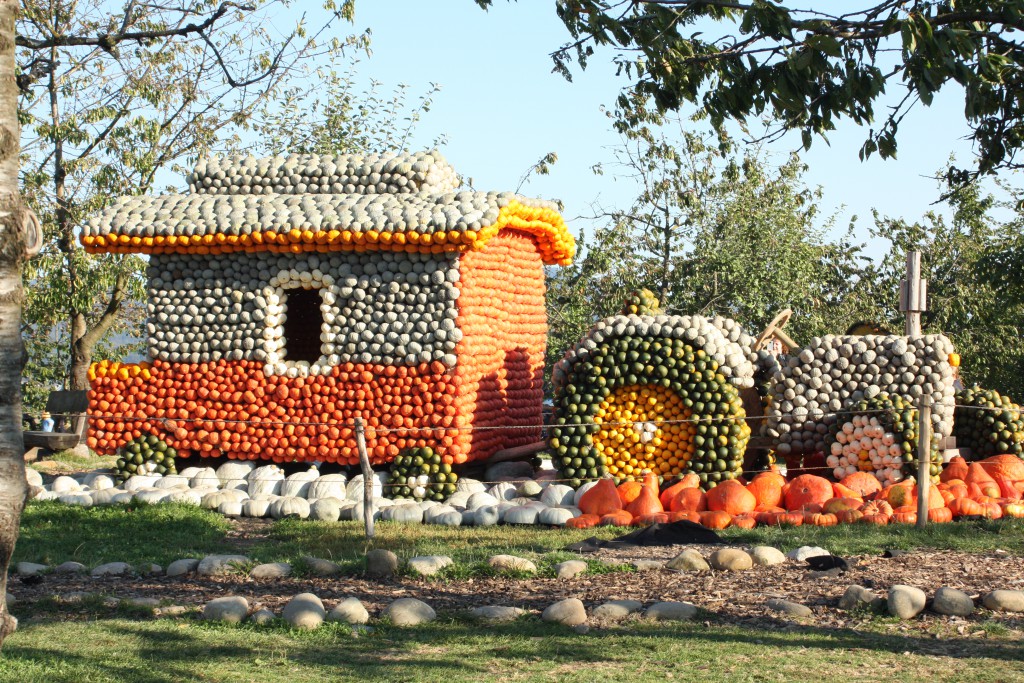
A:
{"x": 879, "y": 436}
{"x": 651, "y": 394}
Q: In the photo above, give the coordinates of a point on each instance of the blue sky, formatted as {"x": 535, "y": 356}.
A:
{"x": 502, "y": 108}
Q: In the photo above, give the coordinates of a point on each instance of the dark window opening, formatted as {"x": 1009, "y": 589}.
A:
{"x": 302, "y": 322}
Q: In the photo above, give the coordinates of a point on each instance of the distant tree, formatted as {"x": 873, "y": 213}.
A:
{"x": 113, "y": 92}
{"x": 808, "y": 65}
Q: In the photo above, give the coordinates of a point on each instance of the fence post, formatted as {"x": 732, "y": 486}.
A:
{"x": 364, "y": 465}
{"x": 924, "y": 457}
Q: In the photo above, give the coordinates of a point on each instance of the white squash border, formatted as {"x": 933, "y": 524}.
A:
{"x": 273, "y": 333}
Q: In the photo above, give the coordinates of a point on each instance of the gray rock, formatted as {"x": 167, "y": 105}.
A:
{"x": 349, "y": 611}
{"x": 152, "y": 569}
{"x": 321, "y": 567}
{"x": 151, "y": 603}
{"x": 30, "y": 568}
{"x": 790, "y": 608}
{"x": 1004, "y": 601}
{"x": 616, "y": 610}
{"x": 231, "y": 609}
{"x": 261, "y": 617}
{"x": 906, "y": 602}
{"x": 859, "y": 597}
{"x": 112, "y": 569}
{"x": 803, "y": 552}
{"x": 570, "y": 569}
{"x": 688, "y": 561}
{"x": 505, "y": 563}
{"x": 428, "y": 565}
{"x": 69, "y": 568}
{"x": 180, "y": 567}
{"x": 569, "y": 612}
{"x": 731, "y": 560}
{"x": 172, "y": 611}
{"x": 509, "y": 470}
{"x": 767, "y": 556}
{"x": 305, "y": 611}
{"x": 220, "y": 565}
{"x": 952, "y": 602}
{"x": 671, "y": 611}
{"x": 409, "y": 612}
{"x": 381, "y": 563}
{"x": 496, "y": 613}
{"x": 271, "y": 570}
{"x": 11, "y": 599}
{"x": 647, "y": 565}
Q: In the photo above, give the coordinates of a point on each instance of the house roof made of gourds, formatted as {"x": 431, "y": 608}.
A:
{"x": 299, "y": 203}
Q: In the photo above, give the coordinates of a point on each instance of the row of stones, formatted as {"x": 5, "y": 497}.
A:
{"x": 906, "y": 602}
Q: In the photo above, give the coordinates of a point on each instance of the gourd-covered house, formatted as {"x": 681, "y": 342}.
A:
{"x": 289, "y": 296}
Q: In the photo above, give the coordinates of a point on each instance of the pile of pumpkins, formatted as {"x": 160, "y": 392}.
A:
{"x": 988, "y": 423}
{"x": 992, "y": 488}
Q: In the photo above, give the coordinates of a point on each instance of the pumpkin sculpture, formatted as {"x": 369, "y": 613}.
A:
{"x": 289, "y": 296}
{"x": 653, "y": 393}
{"x": 988, "y": 423}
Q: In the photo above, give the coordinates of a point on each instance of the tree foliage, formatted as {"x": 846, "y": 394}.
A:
{"x": 113, "y": 93}
{"x": 975, "y": 287}
{"x": 809, "y": 65}
{"x": 712, "y": 231}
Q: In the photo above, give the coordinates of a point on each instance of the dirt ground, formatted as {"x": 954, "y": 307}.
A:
{"x": 731, "y": 597}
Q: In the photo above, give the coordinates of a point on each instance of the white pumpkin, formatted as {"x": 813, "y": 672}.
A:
{"x": 558, "y": 494}
{"x": 265, "y": 480}
{"x": 328, "y": 486}
{"x": 289, "y": 506}
{"x": 297, "y": 485}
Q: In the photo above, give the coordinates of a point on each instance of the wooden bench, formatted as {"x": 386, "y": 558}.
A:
{"x": 70, "y": 422}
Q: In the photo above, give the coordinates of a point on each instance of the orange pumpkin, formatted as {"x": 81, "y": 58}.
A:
{"x": 680, "y": 515}
{"x": 876, "y": 507}
{"x": 965, "y": 507}
{"x": 646, "y": 503}
{"x": 805, "y": 490}
{"x": 654, "y": 518}
{"x": 935, "y": 499}
{"x": 958, "y": 491}
{"x": 849, "y": 516}
{"x": 863, "y": 484}
{"x": 1007, "y": 489}
{"x": 976, "y": 474}
{"x": 689, "y": 481}
{"x": 991, "y": 510}
{"x": 628, "y": 491}
{"x": 904, "y": 515}
{"x": 1006, "y": 465}
{"x": 583, "y": 522}
{"x": 691, "y": 500}
{"x": 715, "y": 519}
{"x": 600, "y": 499}
{"x": 820, "y": 519}
{"x": 956, "y": 468}
{"x": 837, "y": 505}
{"x": 789, "y": 519}
{"x": 940, "y": 515}
{"x": 744, "y": 522}
{"x": 618, "y": 518}
{"x": 732, "y": 497}
{"x": 766, "y": 489}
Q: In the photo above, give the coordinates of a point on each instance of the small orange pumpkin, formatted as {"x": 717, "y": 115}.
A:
{"x": 965, "y": 507}
{"x": 692, "y": 500}
{"x": 849, "y": 516}
{"x": 583, "y": 522}
{"x": 744, "y": 522}
{"x": 628, "y": 491}
{"x": 679, "y": 515}
{"x": 715, "y": 519}
{"x": 863, "y": 483}
{"x": 689, "y": 481}
{"x": 940, "y": 515}
{"x": 789, "y": 519}
{"x": 732, "y": 497}
{"x": 820, "y": 519}
{"x": 618, "y": 518}
{"x": 807, "y": 489}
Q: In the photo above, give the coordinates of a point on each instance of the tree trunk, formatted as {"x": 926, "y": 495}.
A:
{"x": 15, "y": 222}
{"x": 81, "y": 354}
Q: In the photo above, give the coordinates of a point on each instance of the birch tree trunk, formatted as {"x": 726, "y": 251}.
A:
{"x": 20, "y": 237}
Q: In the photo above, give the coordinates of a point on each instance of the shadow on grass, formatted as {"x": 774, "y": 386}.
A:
{"x": 455, "y": 649}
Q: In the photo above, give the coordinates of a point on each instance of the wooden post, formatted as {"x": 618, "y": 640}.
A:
{"x": 924, "y": 457}
{"x": 913, "y": 296}
{"x": 364, "y": 465}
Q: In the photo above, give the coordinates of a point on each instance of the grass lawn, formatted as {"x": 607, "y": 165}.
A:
{"x": 53, "y": 533}
{"x": 59, "y": 641}
{"x": 454, "y": 650}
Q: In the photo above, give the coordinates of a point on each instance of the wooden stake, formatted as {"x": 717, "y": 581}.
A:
{"x": 912, "y": 295}
{"x": 924, "y": 458}
{"x": 364, "y": 465}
